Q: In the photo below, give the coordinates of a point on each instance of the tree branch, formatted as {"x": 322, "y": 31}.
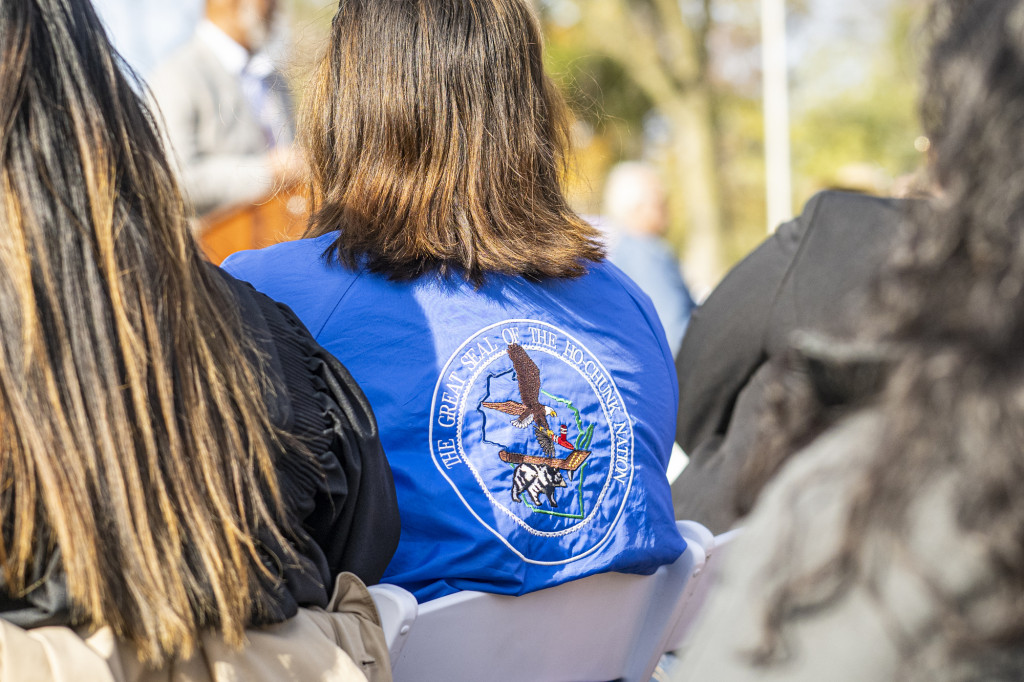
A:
{"x": 622, "y": 34}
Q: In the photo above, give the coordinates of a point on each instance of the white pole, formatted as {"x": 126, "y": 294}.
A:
{"x": 776, "y": 112}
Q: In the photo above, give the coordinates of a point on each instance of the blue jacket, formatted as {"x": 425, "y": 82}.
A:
{"x": 528, "y": 425}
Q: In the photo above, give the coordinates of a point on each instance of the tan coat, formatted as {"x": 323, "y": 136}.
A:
{"x": 341, "y": 644}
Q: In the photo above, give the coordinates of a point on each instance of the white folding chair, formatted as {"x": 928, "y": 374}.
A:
{"x": 605, "y": 627}
{"x": 398, "y": 609}
{"x": 704, "y": 580}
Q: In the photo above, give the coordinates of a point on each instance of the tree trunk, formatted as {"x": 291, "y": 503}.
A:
{"x": 666, "y": 57}
{"x": 698, "y": 195}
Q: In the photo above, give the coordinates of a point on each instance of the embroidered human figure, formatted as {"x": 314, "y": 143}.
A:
{"x": 563, "y": 439}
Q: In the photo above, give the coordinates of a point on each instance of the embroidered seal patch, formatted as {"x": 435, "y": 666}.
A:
{"x": 531, "y": 431}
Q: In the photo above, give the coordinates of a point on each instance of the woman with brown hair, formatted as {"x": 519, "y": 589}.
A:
{"x": 178, "y": 455}
{"x": 524, "y": 386}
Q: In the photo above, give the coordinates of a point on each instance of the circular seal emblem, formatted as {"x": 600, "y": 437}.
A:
{"x": 531, "y": 431}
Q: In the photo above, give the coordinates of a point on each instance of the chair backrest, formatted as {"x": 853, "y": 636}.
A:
{"x": 604, "y": 627}
{"x": 397, "y": 609}
{"x": 701, "y": 584}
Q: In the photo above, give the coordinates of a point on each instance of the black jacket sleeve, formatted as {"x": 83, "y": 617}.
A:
{"x": 808, "y": 276}
{"x": 333, "y": 473}
{"x": 360, "y": 506}
{"x": 726, "y": 339}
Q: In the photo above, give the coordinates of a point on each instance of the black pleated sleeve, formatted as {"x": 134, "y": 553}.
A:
{"x": 337, "y": 485}
{"x": 342, "y": 499}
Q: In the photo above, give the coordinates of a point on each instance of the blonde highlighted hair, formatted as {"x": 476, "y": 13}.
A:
{"x": 133, "y": 431}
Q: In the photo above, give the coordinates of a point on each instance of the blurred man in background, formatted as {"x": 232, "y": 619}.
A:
{"x": 636, "y": 205}
{"x": 227, "y": 111}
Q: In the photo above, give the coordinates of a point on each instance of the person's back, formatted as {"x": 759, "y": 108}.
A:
{"x": 890, "y": 546}
{"x": 486, "y": 505}
{"x": 809, "y": 276}
{"x": 226, "y": 111}
{"x": 524, "y": 388}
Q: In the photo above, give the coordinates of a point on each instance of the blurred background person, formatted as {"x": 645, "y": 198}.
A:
{"x": 890, "y": 546}
{"x": 636, "y": 207}
{"x": 228, "y": 115}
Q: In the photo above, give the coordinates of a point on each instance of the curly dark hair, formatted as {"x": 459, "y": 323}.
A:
{"x": 949, "y": 310}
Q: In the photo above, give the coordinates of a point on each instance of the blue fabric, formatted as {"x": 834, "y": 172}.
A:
{"x": 487, "y": 504}
{"x": 649, "y": 262}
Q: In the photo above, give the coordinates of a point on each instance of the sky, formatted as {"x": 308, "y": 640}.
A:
{"x": 145, "y": 31}
{"x": 832, "y": 49}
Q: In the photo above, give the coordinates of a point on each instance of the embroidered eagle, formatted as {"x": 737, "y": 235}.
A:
{"x": 535, "y": 475}
{"x": 530, "y": 410}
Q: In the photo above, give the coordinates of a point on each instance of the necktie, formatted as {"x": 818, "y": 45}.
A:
{"x": 257, "y": 81}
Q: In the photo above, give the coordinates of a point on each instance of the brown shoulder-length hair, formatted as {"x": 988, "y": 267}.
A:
{"x": 437, "y": 143}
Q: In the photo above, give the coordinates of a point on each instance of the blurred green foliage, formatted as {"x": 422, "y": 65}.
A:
{"x": 863, "y": 137}
{"x": 858, "y": 135}
{"x": 854, "y": 128}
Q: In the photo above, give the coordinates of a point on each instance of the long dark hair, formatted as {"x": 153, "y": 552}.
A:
{"x": 133, "y": 433}
{"x": 437, "y": 143}
{"x": 950, "y": 313}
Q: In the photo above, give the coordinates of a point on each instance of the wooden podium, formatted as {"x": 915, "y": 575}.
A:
{"x": 280, "y": 217}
